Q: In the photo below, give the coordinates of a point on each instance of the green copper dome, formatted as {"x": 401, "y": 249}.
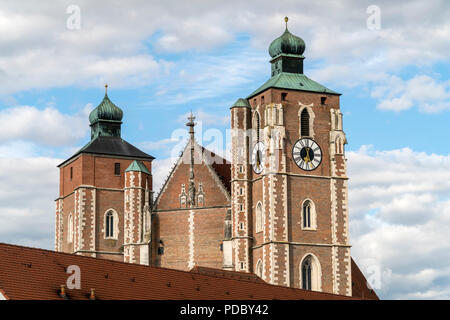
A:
{"x": 106, "y": 110}
{"x": 287, "y": 44}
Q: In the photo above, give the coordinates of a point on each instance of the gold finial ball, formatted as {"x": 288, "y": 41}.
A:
{"x": 106, "y": 87}
{"x": 286, "y": 19}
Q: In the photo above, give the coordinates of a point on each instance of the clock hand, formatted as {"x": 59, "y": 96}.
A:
{"x": 307, "y": 159}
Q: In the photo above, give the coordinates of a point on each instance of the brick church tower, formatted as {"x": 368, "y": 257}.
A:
{"x": 289, "y": 183}
{"x": 103, "y": 208}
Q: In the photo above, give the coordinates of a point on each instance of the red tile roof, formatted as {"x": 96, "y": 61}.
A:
{"x": 360, "y": 288}
{"x": 29, "y": 273}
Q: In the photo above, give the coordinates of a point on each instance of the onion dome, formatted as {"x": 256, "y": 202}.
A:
{"x": 287, "y": 43}
{"x": 106, "y": 110}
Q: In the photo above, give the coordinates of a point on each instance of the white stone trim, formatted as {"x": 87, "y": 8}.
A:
{"x": 3, "y": 295}
{"x": 257, "y": 267}
{"x": 191, "y": 262}
{"x": 70, "y": 227}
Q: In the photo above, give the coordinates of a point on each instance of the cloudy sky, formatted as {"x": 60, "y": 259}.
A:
{"x": 162, "y": 59}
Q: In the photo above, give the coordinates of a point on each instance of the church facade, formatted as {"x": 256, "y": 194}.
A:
{"x": 278, "y": 208}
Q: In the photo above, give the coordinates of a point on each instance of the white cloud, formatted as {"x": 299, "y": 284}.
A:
{"x": 38, "y": 51}
{"x": 27, "y": 190}
{"x": 48, "y": 127}
{"x": 160, "y": 171}
{"x": 400, "y": 221}
{"x": 428, "y": 94}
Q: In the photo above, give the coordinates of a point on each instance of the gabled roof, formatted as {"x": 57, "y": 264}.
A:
{"x": 221, "y": 168}
{"x": 29, "y": 273}
{"x": 114, "y": 146}
{"x": 292, "y": 81}
{"x": 359, "y": 284}
{"x": 137, "y": 166}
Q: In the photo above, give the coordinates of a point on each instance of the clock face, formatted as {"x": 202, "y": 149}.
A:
{"x": 307, "y": 154}
{"x": 258, "y": 155}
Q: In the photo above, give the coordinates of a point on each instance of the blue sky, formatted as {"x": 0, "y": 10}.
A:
{"x": 163, "y": 59}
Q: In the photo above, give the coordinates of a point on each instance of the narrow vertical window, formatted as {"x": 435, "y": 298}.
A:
{"x": 117, "y": 169}
{"x": 259, "y": 217}
{"x": 284, "y": 96}
{"x": 304, "y": 123}
{"x": 307, "y": 214}
{"x": 109, "y": 225}
{"x": 306, "y": 274}
{"x": 71, "y": 173}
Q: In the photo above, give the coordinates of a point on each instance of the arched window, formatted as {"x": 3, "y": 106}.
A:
{"x": 259, "y": 217}
{"x": 304, "y": 123}
{"x": 259, "y": 268}
{"x": 308, "y": 215}
{"x": 109, "y": 225}
{"x": 310, "y": 273}
{"x": 70, "y": 229}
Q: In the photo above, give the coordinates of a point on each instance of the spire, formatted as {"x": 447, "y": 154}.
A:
{"x": 106, "y": 85}
{"x": 286, "y": 19}
{"x": 191, "y": 125}
{"x": 191, "y": 191}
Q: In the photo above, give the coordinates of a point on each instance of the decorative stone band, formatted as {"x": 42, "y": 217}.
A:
{"x": 194, "y": 208}
{"x": 304, "y": 244}
{"x": 289, "y": 174}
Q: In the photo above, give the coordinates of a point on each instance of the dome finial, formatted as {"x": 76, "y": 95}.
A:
{"x": 106, "y": 88}
{"x": 286, "y": 19}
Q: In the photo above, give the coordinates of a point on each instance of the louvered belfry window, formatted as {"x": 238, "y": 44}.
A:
{"x": 304, "y": 123}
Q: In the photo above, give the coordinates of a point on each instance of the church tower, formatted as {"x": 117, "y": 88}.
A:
{"x": 289, "y": 184}
{"x": 103, "y": 207}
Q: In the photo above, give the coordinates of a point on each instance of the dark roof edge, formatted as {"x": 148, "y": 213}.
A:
{"x": 105, "y": 154}
{"x": 281, "y": 88}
